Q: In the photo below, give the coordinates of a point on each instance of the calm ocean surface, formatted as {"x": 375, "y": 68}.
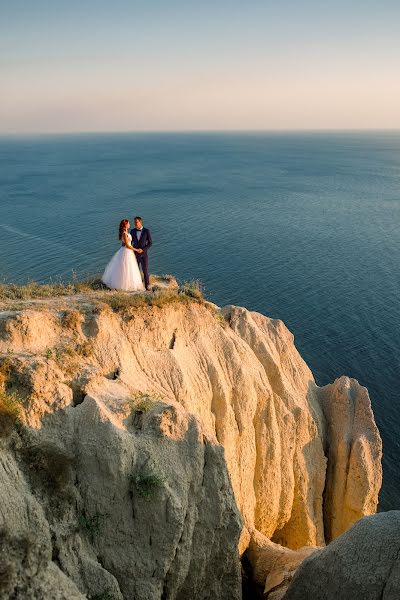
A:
{"x": 301, "y": 227}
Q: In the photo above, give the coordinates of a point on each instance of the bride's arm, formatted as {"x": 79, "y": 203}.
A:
{"x": 126, "y": 242}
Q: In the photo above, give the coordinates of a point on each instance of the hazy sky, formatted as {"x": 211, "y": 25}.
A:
{"x": 94, "y": 65}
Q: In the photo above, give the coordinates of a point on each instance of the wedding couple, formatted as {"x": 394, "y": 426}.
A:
{"x": 122, "y": 272}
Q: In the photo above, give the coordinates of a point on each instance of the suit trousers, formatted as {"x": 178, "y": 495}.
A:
{"x": 143, "y": 262}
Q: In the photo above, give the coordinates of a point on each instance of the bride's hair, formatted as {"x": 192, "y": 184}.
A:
{"x": 122, "y": 226}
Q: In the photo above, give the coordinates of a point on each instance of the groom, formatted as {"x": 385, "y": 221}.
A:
{"x": 141, "y": 239}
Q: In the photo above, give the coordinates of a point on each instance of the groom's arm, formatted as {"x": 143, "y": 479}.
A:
{"x": 149, "y": 240}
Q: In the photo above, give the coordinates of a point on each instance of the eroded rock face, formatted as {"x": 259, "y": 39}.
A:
{"x": 125, "y": 508}
{"x": 273, "y": 566}
{"x": 361, "y": 564}
{"x": 354, "y": 452}
{"x": 240, "y": 434}
{"x": 26, "y": 566}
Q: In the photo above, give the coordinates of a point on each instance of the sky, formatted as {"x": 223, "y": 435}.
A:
{"x": 95, "y": 65}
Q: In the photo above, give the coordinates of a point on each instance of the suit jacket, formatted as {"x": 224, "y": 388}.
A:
{"x": 145, "y": 241}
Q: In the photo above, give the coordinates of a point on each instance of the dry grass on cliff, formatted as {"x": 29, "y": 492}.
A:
{"x": 33, "y": 290}
{"x": 143, "y": 402}
{"x": 187, "y": 292}
{"x": 165, "y": 290}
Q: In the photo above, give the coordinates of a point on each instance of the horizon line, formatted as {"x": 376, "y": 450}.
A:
{"x": 15, "y": 134}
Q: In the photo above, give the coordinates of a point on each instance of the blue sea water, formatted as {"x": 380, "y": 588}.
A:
{"x": 299, "y": 226}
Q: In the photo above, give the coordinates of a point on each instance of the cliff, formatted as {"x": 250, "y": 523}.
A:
{"x": 363, "y": 563}
{"x": 147, "y": 444}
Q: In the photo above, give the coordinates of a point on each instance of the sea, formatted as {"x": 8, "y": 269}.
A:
{"x": 300, "y": 226}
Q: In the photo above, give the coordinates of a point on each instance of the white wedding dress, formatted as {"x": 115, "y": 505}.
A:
{"x": 122, "y": 272}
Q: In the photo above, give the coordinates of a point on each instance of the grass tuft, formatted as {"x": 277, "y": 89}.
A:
{"x": 192, "y": 289}
{"x": 92, "y": 525}
{"x": 220, "y": 319}
{"x": 147, "y": 483}
{"x": 70, "y": 351}
{"x": 143, "y": 402}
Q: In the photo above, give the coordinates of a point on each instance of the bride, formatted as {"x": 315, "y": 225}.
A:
{"x": 122, "y": 272}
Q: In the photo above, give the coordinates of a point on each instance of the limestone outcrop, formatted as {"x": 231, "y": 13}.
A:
{"x": 156, "y": 444}
{"x": 361, "y": 564}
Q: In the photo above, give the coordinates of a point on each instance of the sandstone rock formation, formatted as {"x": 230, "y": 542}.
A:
{"x": 361, "y": 564}
{"x": 353, "y": 452}
{"x": 237, "y": 441}
{"x": 273, "y": 566}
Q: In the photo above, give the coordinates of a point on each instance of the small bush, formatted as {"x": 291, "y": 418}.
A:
{"x": 143, "y": 402}
{"x": 10, "y": 411}
{"x": 99, "y": 306}
{"x": 220, "y": 319}
{"x": 92, "y": 525}
{"x": 193, "y": 289}
{"x": 157, "y": 279}
{"x": 70, "y": 350}
{"x": 48, "y": 353}
{"x": 147, "y": 483}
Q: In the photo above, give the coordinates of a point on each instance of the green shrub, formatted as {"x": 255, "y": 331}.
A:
{"x": 70, "y": 350}
{"x": 143, "y": 402}
{"x": 92, "y": 525}
{"x": 193, "y": 289}
{"x": 48, "y": 353}
{"x": 147, "y": 483}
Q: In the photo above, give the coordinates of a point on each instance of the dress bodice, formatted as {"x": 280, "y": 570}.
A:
{"x": 128, "y": 235}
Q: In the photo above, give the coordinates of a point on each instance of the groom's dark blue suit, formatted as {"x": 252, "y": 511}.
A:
{"x": 145, "y": 242}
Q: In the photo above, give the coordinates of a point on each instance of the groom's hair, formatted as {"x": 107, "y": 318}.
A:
{"x": 138, "y": 219}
